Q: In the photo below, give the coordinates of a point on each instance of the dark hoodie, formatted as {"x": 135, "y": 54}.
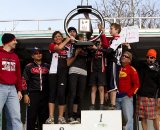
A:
{"x": 10, "y": 72}
{"x": 150, "y": 80}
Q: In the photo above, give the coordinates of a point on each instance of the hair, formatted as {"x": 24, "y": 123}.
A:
{"x": 72, "y": 28}
{"x": 129, "y": 54}
{"x": 116, "y": 26}
{"x": 55, "y": 33}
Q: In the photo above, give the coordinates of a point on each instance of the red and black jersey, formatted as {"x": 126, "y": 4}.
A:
{"x": 98, "y": 61}
{"x": 10, "y": 70}
{"x": 114, "y": 48}
{"x": 62, "y": 52}
{"x": 35, "y": 77}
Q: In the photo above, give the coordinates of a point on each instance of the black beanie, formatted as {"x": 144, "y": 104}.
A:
{"x": 72, "y": 28}
{"x": 7, "y": 37}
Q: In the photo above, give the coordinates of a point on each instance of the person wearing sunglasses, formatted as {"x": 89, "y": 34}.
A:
{"x": 36, "y": 90}
{"x": 149, "y": 73}
{"x": 128, "y": 86}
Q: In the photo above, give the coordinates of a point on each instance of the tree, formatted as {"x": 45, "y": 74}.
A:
{"x": 127, "y": 12}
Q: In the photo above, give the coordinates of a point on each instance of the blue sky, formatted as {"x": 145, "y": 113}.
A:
{"x": 36, "y": 9}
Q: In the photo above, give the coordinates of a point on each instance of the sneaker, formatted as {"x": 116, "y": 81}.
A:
{"x": 111, "y": 107}
{"x": 101, "y": 107}
{"x": 50, "y": 120}
{"x": 92, "y": 107}
{"x": 78, "y": 120}
{"x": 61, "y": 120}
{"x": 71, "y": 120}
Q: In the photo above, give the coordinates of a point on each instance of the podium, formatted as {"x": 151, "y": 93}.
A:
{"x": 92, "y": 120}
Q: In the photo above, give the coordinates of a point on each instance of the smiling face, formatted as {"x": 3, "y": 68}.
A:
{"x": 113, "y": 31}
{"x": 57, "y": 37}
{"x": 37, "y": 56}
{"x": 12, "y": 44}
{"x": 126, "y": 58}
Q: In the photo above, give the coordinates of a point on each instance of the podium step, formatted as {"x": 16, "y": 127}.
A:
{"x": 92, "y": 120}
{"x": 62, "y": 127}
{"x": 103, "y": 120}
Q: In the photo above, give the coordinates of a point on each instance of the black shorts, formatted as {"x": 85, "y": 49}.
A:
{"x": 97, "y": 78}
{"x": 57, "y": 86}
{"x": 112, "y": 76}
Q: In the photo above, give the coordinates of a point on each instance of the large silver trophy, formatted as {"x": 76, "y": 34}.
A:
{"x": 84, "y": 24}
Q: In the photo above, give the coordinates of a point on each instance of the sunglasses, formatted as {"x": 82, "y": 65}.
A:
{"x": 150, "y": 57}
{"x": 125, "y": 56}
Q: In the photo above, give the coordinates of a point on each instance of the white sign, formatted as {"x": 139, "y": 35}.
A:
{"x": 130, "y": 34}
{"x": 92, "y": 120}
{"x": 84, "y": 25}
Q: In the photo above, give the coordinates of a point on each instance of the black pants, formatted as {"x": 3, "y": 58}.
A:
{"x": 57, "y": 86}
{"x": 77, "y": 84}
{"x": 38, "y": 109}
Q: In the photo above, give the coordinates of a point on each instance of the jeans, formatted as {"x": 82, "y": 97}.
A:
{"x": 126, "y": 105}
{"x": 0, "y": 121}
{"x": 10, "y": 102}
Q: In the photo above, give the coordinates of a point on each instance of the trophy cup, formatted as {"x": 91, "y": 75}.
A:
{"x": 84, "y": 24}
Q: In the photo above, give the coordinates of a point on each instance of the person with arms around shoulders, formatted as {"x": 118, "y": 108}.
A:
{"x": 36, "y": 90}
{"x": 10, "y": 82}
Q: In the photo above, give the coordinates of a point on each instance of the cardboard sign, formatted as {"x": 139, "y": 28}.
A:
{"x": 130, "y": 34}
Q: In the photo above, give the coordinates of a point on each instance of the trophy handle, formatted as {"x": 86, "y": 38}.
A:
{"x": 80, "y": 10}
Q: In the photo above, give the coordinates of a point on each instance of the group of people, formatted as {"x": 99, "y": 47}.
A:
{"x": 64, "y": 80}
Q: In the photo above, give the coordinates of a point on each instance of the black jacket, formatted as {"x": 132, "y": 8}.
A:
{"x": 35, "y": 77}
{"x": 149, "y": 79}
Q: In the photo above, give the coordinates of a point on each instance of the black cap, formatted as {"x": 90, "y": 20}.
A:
{"x": 7, "y": 37}
{"x": 36, "y": 49}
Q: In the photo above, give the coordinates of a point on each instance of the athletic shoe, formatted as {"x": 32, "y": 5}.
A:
{"x": 78, "y": 120}
{"x": 50, "y": 120}
{"x": 71, "y": 120}
{"x": 61, "y": 120}
{"x": 92, "y": 107}
{"x": 101, "y": 107}
{"x": 111, "y": 107}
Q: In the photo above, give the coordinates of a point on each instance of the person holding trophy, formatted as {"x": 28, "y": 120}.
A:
{"x": 114, "y": 52}
{"x": 58, "y": 77}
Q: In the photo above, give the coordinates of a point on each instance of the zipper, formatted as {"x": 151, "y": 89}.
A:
{"x": 40, "y": 76}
